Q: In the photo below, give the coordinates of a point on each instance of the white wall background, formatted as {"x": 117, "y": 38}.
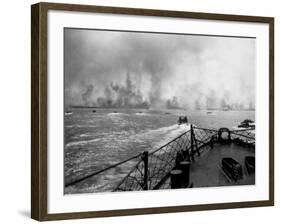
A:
{"x": 15, "y": 111}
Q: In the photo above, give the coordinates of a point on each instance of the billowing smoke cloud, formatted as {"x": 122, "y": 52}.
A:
{"x": 173, "y": 103}
{"x": 86, "y": 96}
{"x": 144, "y": 70}
{"x": 127, "y": 96}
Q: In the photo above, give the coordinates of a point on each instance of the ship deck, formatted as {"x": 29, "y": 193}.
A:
{"x": 206, "y": 171}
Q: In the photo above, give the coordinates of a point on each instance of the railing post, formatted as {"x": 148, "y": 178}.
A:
{"x": 191, "y": 142}
{"x": 145, "y": 175}
{"x": 212, "y": 142}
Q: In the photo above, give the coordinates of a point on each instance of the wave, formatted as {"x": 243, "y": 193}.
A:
{"x": 115, "y": 113}
{"x": 81, "y": 126}
{"x": 141, "y": 114}
{"x": 172, "y": 133}
{"x": 85, "y": 135}
{"x": 161, "y": 136}
{"x": 175, "y": 127}
{"x": 82, "y": 142}
{"x": 150, "y": 138}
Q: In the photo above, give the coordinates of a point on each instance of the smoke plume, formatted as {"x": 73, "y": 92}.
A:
{"x": 86, "y": 96}
{"x": 145, "y": 70}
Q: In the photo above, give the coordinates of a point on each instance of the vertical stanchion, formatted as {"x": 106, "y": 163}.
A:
{"x": 212, "y": 142}
{"x": 145, "y": 175}
{"x": 191, "y": 142}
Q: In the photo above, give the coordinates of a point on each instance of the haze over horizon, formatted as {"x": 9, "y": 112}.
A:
{"x": 149, "y": 70}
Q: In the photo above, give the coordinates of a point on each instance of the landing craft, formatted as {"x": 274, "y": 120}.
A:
{"x": 247, "y": 124}
{"x": 182, "y": 120}
{"x": 68, "y": 112}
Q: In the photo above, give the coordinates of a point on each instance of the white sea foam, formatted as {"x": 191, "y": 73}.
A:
{"x": 81, "y": 143}
{"x": 80, "y": 126}
{"x": 115, "y": 114}
{"x": 85, "y": 135}
{"x": 173, "y": 133}
{"x": 161, "y": 136}
{"x": 173, "y": 128}
{"x": 142, "y": 114}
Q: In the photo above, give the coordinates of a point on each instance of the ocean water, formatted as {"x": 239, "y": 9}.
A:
{"x": 96, "y": 140}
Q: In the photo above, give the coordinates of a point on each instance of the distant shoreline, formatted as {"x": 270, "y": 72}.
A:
{"x": 96, "y": 107}
{"x": 147, "y": 108}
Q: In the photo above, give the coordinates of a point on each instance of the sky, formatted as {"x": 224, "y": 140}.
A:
{"x": 155, "y": 70}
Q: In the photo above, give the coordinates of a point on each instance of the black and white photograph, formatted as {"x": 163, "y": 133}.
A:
{"x": 157, "y": 111}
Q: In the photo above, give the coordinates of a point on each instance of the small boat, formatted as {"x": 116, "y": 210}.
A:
{"x": 94, "y": 111}
{"x": 68, "y": 112}
{"x": 140, "y": 113}
{"x": 182, "y": 120}
{"x": 247, "y": 124}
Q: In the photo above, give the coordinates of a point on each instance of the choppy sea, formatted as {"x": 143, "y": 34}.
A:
{"x": 95, "y": 140}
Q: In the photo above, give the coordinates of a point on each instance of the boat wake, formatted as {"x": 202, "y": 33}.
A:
{"x": 81, "y": 143}
{"x": 161, "y": 136}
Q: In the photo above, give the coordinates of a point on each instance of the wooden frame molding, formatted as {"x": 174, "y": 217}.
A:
{"x": 39, "y": 120}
